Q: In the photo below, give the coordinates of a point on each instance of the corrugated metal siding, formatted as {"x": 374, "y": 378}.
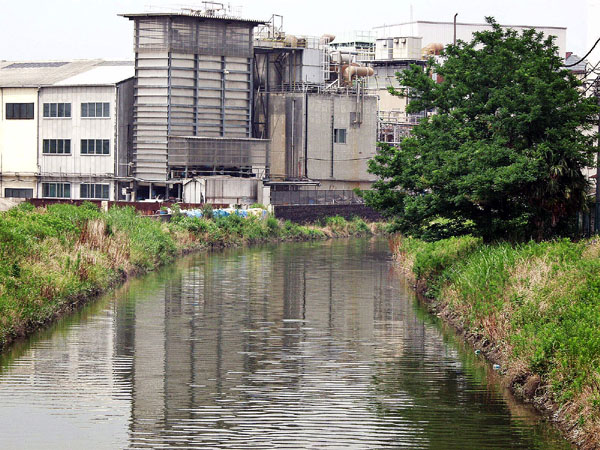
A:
{"x": 77, "y": 128}
{"x": 193, "y": 79}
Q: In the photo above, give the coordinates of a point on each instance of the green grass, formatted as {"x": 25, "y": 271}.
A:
{"x": 538, "y": 302}
{"x": 51, "y": 258}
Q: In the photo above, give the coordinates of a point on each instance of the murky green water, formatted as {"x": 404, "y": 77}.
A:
{"x": 291, "y": 346}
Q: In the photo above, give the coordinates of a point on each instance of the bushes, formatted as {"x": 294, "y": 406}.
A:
{"x": 339, "y": 226}
{"x": 51, "y": 257}
{"x": 538, "y": 302}
{"x": 435, "y": 257}
{"x": 150, "y": 243}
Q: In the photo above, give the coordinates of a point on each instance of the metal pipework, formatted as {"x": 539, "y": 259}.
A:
{"x": 351, "y": 72}
{"x": 327, "y": 38}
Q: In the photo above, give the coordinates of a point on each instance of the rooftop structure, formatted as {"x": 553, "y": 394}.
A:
{"x": 443, "y": 32}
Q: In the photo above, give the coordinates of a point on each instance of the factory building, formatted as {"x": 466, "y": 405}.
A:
{"x": 192, "y": 104}
{"x": 443, "y": 32}
{"x": 224, "y": 114}
{"x": 209, "y": 111}
{"x": 214, "y": 108}
{"x": 63, "y": 128}
{"x": 398, "y": 46}
{"x": 311, "y": 102}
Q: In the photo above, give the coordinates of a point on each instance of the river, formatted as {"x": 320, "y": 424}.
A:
{"x": 305, "y": 345}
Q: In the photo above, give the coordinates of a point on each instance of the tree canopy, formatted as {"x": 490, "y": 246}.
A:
{"x": 503, "y": 153}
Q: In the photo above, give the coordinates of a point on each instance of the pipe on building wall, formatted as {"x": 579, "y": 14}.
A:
{"x": 351, "y": 72}
{"x": 306, "y": 134}
{"x": 116, "y": 145}
{"x": 293, "y": 129}
{"x": 332, "y": 132}
{"x": 37, "y": 141}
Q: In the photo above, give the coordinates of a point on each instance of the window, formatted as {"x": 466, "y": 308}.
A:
{"x": 19, "y": 110}
{"x": 95, "y": 147}
{"x": 57, "y": 147}
{"x": 94, "y": 191}
{"x": 56, "y": 190}
{"x": 339, "y": 135}
{"x": 18, "y": 193}
{"x": 57, "y": 110}
{"x": 95, "y": 110}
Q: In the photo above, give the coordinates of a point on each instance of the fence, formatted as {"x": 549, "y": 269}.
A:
{"x": 145, "y": 208}
{"x": 316, "y": 197}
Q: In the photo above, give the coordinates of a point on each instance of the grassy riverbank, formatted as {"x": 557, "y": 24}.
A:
{"x": 533, "y": 308}
{"x": 52, "y": 259}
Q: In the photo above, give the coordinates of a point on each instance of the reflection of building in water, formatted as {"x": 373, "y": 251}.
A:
{"x": 208, "y": 346}
{"x": 62, "y": 381}
{"x": 309, "y": 345}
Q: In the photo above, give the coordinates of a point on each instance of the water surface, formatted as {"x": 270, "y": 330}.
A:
{"x": 314, "y": 345}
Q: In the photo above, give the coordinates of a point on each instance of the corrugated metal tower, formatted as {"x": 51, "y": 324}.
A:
{"x": 193, "y": 96}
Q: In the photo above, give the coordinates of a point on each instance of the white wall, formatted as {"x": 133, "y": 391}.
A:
{"x": 77, "y": 167}
{"x": 443, "y": 33}
{"x": 18, "y": 141}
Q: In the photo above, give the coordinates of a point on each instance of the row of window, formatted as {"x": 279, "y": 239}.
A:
{"x": 57, "y": 110}
{"x": 86, "y": 190}
{"x": 19, "y": 110}
{"x": 88, "y": 147}
{"x": 25, "y": 110}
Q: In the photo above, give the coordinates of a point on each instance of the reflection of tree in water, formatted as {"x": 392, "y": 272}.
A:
{"x": 422, "y": 385}
{"x": 280, "y": 343}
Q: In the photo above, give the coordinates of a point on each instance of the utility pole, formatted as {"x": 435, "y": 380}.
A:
{"x": 455, "y": 28}
{"x": 597, "y": 209}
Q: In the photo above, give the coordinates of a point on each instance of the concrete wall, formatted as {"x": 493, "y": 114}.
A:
{"x": 302, "y": 138}
{"x": 312, "y": 213}
{"x": 329, "y": 161}
{"x": 18, "y": 142}
{"x": 75, "y": 167}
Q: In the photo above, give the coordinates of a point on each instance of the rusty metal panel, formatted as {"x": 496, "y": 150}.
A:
{"x": 217, "y": 152}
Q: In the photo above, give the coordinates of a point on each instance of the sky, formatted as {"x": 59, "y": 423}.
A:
{"x": 79, "y": 29}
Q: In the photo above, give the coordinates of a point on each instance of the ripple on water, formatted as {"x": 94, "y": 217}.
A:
{"x": 295, "y": 346}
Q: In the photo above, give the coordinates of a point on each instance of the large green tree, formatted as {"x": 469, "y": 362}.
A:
{"x": 503, "y": 151}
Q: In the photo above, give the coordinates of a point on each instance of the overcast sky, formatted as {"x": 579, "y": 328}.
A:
{"x": 71, "y": 29}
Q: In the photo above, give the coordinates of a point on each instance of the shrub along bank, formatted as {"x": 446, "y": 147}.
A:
{"x": 533, "y": 308}
{"x": 52, "y": 259}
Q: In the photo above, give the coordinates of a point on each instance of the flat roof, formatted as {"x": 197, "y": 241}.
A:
{"x": 103, "y": 74}
{"x": 469, "y": 24}
{"x": 63, "y": 73}
{"x": 194, "y": 16}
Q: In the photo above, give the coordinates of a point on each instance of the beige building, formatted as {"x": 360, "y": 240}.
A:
{"x": 18, "y": 138}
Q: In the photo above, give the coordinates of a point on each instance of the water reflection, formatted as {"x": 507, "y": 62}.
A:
{"x": 291, "y": 346}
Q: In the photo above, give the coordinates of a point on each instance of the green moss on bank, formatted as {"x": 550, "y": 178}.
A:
{"x": 538, "y": 304}
{"x": 51, "y": 259}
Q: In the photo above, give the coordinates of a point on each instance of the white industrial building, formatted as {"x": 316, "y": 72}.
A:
{"x": 397, "y": 46}
{"x": 443, "y": 32}
{"x": 59, "y": 129}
